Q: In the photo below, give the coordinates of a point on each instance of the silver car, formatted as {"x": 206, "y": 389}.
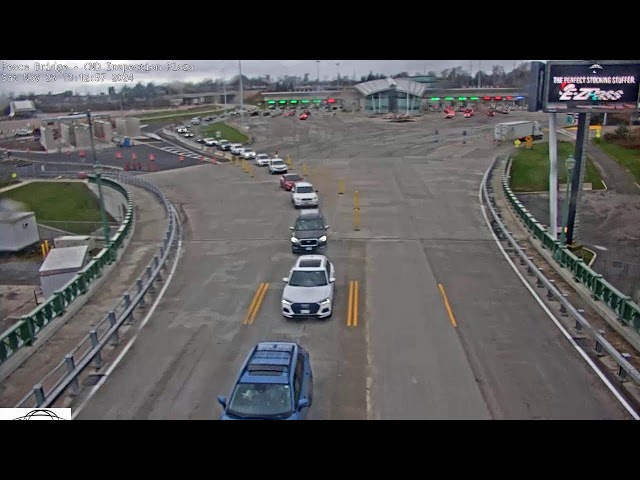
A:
{"x": 309, "y": 288}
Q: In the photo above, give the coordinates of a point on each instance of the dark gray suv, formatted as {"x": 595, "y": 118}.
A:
{"x": 309, "y": 233}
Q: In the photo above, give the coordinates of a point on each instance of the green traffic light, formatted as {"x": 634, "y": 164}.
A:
{"x": 317, "y": 101}
{"x": 305, "y": 101}
{"x": 448, "y": 98}
{"x": 435, "y": 99}
{"x": 271, "y": 102}
{"x": 282, "y": 101}
{"x": 474, "y": 98}
{"x": 462, "y": 98}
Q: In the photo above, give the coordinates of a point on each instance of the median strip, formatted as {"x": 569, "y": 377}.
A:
{"x": 256, "y": 303}
{"x": 352, "y": 314}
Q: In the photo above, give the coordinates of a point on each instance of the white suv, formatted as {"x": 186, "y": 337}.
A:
{"x": 304, "y": 195}
{"x": 309, "y": 288}
{"x": 277, "y": 165}
{"x": 262, "y": 159}
{"x": 234, "y": 148}
{"x": 248, "y": 154}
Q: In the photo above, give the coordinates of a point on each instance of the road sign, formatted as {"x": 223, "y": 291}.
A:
{"x": 517, "y": 142}
{"x": 218, "y": 134}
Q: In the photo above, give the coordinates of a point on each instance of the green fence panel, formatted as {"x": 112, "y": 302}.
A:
{"x": 26, "y": 329}
{"x": 626, "y": 311}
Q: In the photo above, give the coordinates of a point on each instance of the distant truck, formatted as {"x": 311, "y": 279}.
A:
{"x": 511, "y": 131}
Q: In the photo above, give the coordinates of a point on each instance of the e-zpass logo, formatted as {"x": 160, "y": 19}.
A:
{"x": 569, "y": 91}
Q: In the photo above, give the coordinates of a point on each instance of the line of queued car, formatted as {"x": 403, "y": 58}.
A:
{"x": 276, "y": 379}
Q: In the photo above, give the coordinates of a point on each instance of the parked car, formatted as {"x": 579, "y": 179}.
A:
{"x": 304, "y": 195}
{"x": 304, "y": 116}
{"x": 288, "y": 179}
{"x": 223, "y": 144}
{"x": 309, "y": 288}
{"x": 262, "y": 159}
{"x": 274, "y": 383}
{"x": 188, "y": 135}
{"x": 277, "y": 165}
{"x": 200, "y": 140}
{"x": 309, "y": 232}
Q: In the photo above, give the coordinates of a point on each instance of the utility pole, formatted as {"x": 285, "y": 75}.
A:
{"x": 241, "y": 94}
{"x": 318, "y": 77}
{"x": 479, "y": 73}
{"x": 338, "y": 75}
{"x": 98, "y": 170}
{"x": 224, "y": 87}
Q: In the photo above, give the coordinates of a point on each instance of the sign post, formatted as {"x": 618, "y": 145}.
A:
{"x": 553, "y": 176}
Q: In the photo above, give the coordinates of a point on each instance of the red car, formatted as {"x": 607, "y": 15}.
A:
{"x": 304, "y": 116}
{"x": 288, "y": 179}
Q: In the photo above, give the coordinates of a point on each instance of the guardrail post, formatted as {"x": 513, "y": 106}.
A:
{"x": 141, "y": 303}
{"x": 529, "y": 269}
{"x": 115, "y": 339}
{"x": 539, "y": 283}
{"x": 127, "y": 303}
{"x": 599, "y": 350}
{"x": 563, "y": 309}
{"x": 549, "y": 293}
{"x": 148, "y": 273}
{"x": 97, "y": 360}
{"x": 71, "y": 366}
{"x": 622, "y": 372}
{"x": 38, "y": 392}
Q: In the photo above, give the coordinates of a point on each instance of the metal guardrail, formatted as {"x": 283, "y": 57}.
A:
{"x": 25, "y": 330}
{"x": 626, "y": 371}
{"x": 64, "y": 377}
{"x": 622, "y": 306}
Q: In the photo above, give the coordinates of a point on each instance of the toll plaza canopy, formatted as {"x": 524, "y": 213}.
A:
{"x": 402, "y": 85}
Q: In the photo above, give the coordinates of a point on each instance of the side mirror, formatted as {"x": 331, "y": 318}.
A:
{"x": 326, "y": 227}
{"x": 303, "y": 403}
{"x": 222, "y": 401}
{"x": 291, "y": 228}
{"x": 285, "y": 279}
{"x": 332, "y": 280}
{"x": 317, "y": 191}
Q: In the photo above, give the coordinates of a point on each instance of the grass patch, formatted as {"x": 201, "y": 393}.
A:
{"x": 627, "y": 157}
{"x": 232, "y": 134}
{"x": 530, "y": 168}
{"x": 8, "y": 183}
{"x": 55, "y": 203}
{"x": 171, "y": 115}
{"x": 585, "y": 254}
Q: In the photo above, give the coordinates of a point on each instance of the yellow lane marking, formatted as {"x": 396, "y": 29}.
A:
{"x": 452, "y": 318}
{"x": 256, "y": 302}
{"x": 352, "y": 308}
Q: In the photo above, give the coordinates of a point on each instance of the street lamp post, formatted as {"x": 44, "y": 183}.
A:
{"x": 570, "y": 164}
{"x": 98, "y": 171}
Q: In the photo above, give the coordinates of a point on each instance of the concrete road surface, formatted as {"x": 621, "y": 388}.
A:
{"x": 444, "y": 329}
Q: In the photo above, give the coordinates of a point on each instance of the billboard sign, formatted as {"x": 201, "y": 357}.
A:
{"x": 592, "y": 86}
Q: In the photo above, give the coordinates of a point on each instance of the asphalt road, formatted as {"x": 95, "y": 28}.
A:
{"x": 487, "y": 351}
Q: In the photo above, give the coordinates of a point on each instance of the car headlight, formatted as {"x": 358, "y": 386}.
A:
{"x": 286, "y": 302}
{"x": 323, "y": 238}
{"x": 326, "y": 301}
{"x": 294, "y": 240}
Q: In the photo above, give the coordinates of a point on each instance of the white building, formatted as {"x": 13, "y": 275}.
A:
{"x": 22, "y": 108}
{"x": 60, "y": 266}
{"x": 18, "y": 230}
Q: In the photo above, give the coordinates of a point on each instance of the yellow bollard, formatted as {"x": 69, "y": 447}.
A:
{"x": 356, "y": 200}
{"x": 356, "y": 219}
{"x": 304, "y": 170}
{"x": 46, "y": 246}
{"x": 251, "y": 171}
{"x": 42, "y": 249}
{"x": 244, "y": 165}
{"x": 289, "y": 161}
{"x": 341, "y": 187}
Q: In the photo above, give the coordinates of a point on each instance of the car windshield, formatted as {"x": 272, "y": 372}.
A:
{"x": 292, "y": 178}
{"x": 310, "y": 224}
{"x": 308, "y": 278}
{"x": 277, "y": 162}
{"x": 304, "y": 190}
{"x": 262, "y": 155}
{"x": 248, "y": 150}
{"x": 251, "y": 400}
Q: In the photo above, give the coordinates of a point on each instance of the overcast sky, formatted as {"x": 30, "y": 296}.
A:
{"x": 196, "y": 70}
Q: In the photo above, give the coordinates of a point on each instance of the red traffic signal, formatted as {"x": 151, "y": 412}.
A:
{"x": 331, "y": 100}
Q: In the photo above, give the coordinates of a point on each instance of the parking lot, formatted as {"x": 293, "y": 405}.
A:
{"x": 439, "y": 327}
